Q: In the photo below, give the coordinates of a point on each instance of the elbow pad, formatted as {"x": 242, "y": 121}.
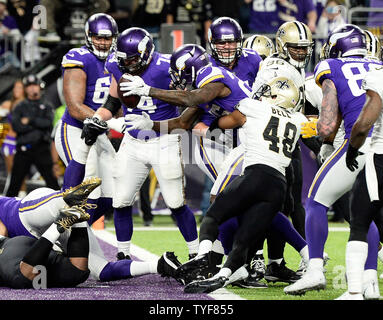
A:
{"x": 112, "y": 104}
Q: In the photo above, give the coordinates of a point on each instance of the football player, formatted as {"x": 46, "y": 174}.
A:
{"x": 340, "y": 77}
{"x": 259, "y": 193}
{"x": 367, "y": 190}
{"x": 140, "y": 151}
{"x": 33, "y": 216}
{"x": 190, "y": 65}
{"x": 85, "y": 88}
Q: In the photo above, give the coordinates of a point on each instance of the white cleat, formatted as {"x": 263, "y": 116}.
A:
{"x": 371, "y": 290}
{"x": 311, "y": 280}
{"x": 302, "y": 267}
{"x": 348, "y": 296}
{"x": 239, "y": 274}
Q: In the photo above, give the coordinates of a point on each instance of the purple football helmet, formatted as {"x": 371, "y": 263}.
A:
{"x": 346, "y": 40}
{"x": 134, "y": 50}
{"x": 100, "y": 25}
{"x": 222, "y": 31}
{"x": 185, "y": 62}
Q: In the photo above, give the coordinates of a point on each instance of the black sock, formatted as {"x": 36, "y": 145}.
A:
{"x": 78, "y": 243}
{"x": 39, "y": 252}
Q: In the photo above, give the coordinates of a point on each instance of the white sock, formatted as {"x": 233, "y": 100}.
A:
{"x": 304, "y": 253}
{"x": 204, "y": 247}
{"x": 259, "y": 252}
{"x": 316, "y": 264}
{"x": 356, "y": 255}
{"x": 278, "y": 261}
{"x": 193, "y": 246}
{"x": 124, "y": 247}
{"x": 52, "y": 234}
{"x": 82, "y": 224}
{"x": 138, "y": 268}
{"x": 217, "y": 247}
{"x": 224, "y": 272}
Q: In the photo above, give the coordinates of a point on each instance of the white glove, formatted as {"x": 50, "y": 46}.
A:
{"x": 135, "y": 121}
{"x": 136, "y": 86}
{"x": 325, "y": 151}
{"x": 117, "y": 124}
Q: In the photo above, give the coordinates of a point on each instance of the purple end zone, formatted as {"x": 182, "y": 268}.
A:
{"x": 147, "y": 287}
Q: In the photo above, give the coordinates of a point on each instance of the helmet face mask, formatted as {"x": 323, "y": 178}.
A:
{"x": 134, "y": 50}
{"x": 101, "y": 33}
{"x": 260, "y": 43}
{"x": 225, "y": 39}
{"x": 294, "y": 43}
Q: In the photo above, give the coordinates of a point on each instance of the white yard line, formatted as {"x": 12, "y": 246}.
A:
{"x": 108, "y": 237}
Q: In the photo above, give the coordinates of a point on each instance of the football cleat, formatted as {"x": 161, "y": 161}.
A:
{"x": 280, "y": 273}
{"x": 311, "y": 280}
{"x": 205, "y": 286}
{"x": 239, "y": 275}
{"x": 77, "y": 196}
{"x": 123, "y": 256}
{"x": 302, "y": 268}
{"x": 257, "y": 268}
{"x": 198, "y": 262}
{"x": 349, "y": 296}
{"x": 371, "y": 290}
{"x": 168, "y": 264}
{"x": 69, "y": 216}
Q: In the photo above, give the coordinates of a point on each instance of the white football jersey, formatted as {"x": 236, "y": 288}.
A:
{"x": 273, "y": 67}
{"x": 271, "y": 133}
{"x": 314, "y": 95}
{"x": 373, "y": 81}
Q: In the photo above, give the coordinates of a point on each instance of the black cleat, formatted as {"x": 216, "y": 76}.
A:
{"x": 190, "y": 269}
{"x": 192, "y": 255}
{"x": 280, "y": 273}
{"x": 122, "y": 256}
{"x": 77, "y": 196}
{"x": 69, "y": 216}
{"x": 250, "y": 283}
{"x": 205, "y": 286}
{"x": 167, "y": 265}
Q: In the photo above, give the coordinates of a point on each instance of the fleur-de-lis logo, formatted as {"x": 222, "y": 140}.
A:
{"x": 282, "y": 84}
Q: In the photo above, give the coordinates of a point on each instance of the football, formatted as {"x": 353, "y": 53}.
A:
{"x": 128, "y": 101}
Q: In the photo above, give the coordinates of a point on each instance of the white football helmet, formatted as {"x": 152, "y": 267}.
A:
{"x": 282, "y": 92}
{"x": 262, "y": 44}
{"x": 374, "y": 49}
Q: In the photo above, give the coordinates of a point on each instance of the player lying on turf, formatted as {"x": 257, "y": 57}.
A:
{"x": 33, "y": 216}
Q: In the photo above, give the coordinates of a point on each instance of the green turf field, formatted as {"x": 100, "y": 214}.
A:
{"x": 159, "y": 241}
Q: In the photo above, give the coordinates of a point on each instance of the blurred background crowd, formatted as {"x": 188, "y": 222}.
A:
{"x": 35, "y": 34}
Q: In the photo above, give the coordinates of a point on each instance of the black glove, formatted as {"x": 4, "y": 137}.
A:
{"x": 93, "y": 127}
{"x": 352, "y": 154}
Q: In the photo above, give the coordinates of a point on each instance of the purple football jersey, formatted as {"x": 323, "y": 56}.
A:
{"x": 219, "y": 106}
{"x": 264, "y": 16}
{"x": 246, "y": 67}
{"x": 347, "y": 75}
{"x": 156, "y": 75}
{"x": 97, "y": 79}
{"x": 9, "y": 215}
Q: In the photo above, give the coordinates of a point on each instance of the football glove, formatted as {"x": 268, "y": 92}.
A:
{"x": 325, "y": 151}
{"x": 309, "y": 129}
{"x": 136, "y": 86}
{"x": 93, "y": 127}
{"x": 117, "y": 124}
{"x": 351, "y": 155}
{"x": 137, "y": 122}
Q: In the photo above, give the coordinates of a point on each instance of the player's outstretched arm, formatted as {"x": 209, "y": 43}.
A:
{"x": 231, "y": 121}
